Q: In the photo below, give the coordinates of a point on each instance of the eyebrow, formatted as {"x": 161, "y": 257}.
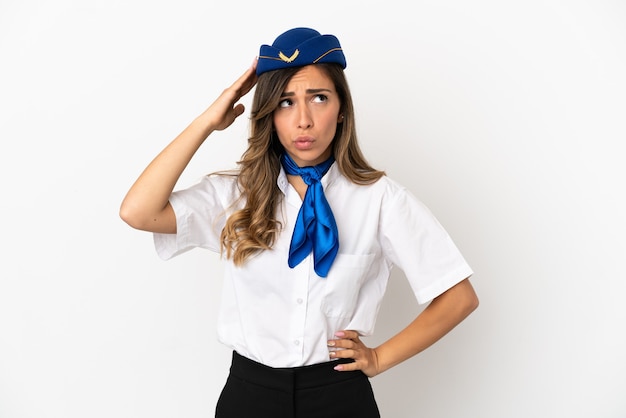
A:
{"x": 308, "y": 91}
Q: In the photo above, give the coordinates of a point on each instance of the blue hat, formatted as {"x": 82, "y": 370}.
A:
{"x": 299, "y": 47}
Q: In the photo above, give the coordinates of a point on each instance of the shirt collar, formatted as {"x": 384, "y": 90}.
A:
{"x": 328, "y": 179}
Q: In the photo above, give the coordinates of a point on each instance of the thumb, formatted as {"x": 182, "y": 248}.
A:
{"x": 239, "y": 109}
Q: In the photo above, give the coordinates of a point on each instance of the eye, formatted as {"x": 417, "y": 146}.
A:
{"x": 285, "y": 103}
{"x": 320, "y": 98}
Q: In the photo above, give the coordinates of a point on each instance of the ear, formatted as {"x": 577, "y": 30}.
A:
{"x": 340, "y": 118}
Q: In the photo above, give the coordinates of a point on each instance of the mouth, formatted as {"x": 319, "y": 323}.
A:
{"x": 303, "y": 142}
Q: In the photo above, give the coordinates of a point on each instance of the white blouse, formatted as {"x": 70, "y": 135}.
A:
{"x": 283, "y": 317}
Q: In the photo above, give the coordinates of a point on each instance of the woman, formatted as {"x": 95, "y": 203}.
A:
{"x": 310, "y": 232}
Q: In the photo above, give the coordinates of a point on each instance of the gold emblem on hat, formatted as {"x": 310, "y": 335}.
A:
{"x": 289, "y": 59}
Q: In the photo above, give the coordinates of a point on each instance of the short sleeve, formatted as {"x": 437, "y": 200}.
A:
{"x": 414, "y": 240}
{"x": 200, "y": 216}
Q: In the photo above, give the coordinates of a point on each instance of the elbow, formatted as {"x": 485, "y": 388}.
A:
{"x": 464, "y": 298}
{"x": 129, "y": 215}
{"x": 470, "y": 301}
{"x": 126, "y": 215}
{"x": 140, "y": 217}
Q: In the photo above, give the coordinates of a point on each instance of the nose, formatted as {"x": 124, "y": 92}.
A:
{"x": 304, "y": 118}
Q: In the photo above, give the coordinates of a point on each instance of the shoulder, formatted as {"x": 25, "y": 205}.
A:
{"x": 384, "y": 187}
{"x": 223, "y": 180}
{"x": 390, "y": 185}
{"x": 385, "y": 196}
{"x": 395, "y": 199}
{"x": 215, "y": 187}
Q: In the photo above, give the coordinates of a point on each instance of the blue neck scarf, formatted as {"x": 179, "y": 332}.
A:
{"x": 315, "y": 228}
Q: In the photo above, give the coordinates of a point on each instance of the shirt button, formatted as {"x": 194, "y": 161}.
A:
{"x": 299, "y": 300}
{"x": 297, "y": 342}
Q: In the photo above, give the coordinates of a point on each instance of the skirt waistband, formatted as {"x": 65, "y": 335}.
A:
{"x": 291, "y": 378}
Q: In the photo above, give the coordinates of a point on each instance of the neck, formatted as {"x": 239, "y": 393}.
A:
{"x": 298, "y": 184}
{"x": 321, "y": 160}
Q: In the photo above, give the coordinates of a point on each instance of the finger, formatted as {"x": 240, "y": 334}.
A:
{"x": 342, "y": 344}
{"x": 239, "y": 109}
{"x": 346, "y": 339}
{"x": 347, "y": 367}
{"x": 347, "y": 334}
{"x": 342, "y": 353}
{"x": 246, "y": 81}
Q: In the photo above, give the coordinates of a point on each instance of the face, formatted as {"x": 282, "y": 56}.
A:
{"x": 307, "y": 116}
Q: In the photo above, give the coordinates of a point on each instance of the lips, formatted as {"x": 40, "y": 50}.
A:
{"x": 304, "y": 142}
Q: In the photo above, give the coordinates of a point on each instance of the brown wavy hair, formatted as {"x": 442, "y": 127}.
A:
{"x": 255, "y": 227}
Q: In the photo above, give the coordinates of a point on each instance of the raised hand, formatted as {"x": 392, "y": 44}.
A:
{"x": 225, "y": 109}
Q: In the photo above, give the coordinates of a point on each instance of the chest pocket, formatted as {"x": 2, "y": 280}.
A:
{"x": 343, "y": 284}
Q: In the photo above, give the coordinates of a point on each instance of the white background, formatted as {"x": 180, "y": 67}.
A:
{"x": 506, "y": 118}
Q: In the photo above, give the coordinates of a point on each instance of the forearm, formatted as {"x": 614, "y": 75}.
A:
{"x": 149, "y": 195}
{"x": 146, "y": 205}
{"x": 440, "y": 317}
